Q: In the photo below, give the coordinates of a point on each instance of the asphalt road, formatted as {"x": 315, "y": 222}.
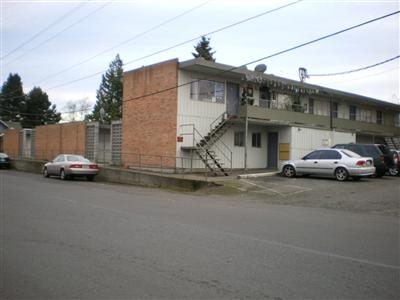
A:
{"x": 88, "y": 240}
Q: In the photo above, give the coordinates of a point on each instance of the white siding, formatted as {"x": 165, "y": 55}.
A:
{"x": 305, "y": 140}
{"x": 199, "y": 113}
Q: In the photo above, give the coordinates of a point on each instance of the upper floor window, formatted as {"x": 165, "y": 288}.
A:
{"x": 379, "y": 117}
{"x": 397, "y": 119}
{"x": 207, "y": 90}
{"x": 353, "y": 112}
{"x": 335, "y": 110}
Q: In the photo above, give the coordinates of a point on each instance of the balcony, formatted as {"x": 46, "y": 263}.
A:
{"x": 291, "y": 115}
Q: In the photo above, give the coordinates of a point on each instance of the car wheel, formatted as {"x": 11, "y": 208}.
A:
{"x": 63, "y": 176}
{"x": 341, "y": 174}
{"x": 393, "y": 171}
{"x": 45, "y": 173}
{"x": 289, "y": 171}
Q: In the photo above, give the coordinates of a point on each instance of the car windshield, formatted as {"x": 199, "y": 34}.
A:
{"x": 350, "y": 153}
{"x": 76, "y": 158}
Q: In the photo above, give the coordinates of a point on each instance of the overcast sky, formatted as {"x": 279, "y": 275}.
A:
{"x": 53, "y": 43}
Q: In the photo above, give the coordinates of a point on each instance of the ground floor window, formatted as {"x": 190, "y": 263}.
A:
{"x": 256, "y": 140}
{"x": 238, "y": 139}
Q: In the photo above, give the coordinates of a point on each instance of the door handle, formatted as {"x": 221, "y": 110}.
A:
{"x": 315, "y": 162}
{"x": 335, "y": 162}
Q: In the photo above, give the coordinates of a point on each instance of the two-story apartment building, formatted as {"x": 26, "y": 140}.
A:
{"x": 199, "y": 113}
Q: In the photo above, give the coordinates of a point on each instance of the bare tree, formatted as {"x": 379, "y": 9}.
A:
{"x": 75, "y": 110}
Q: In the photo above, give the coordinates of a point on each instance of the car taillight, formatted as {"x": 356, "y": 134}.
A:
{"x": 360, "y": 163}
{"x": 93, "y": 167}
{"x": 75, "y": 166}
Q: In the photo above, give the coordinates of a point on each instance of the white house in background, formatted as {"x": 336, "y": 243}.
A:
{"x": 237, "y": 118}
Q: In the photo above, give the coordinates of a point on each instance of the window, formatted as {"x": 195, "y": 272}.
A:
{"x": 256, "y": 140}
{"x": 311, "y": 106}
{"x": 59, "y": 158}
{"x": 238, "y": 139}
{"x": 330, "y": 154}
{"x": 335, "y": 109}
{"x": 313, "y": 155}
{"x": 379, "y": 117}
{"x": 207, "y": 90}
{"x": 353, "y": 112}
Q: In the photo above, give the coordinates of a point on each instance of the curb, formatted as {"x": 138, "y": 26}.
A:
{"x": 246, "y": 176}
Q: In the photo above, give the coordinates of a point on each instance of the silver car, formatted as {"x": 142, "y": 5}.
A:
{"x": 338, "y": 163}
{"x": 70, "y": 165}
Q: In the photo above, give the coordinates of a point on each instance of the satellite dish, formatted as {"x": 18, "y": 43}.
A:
{"x": 260, "y": 68}
{"x": 303, "y": 74}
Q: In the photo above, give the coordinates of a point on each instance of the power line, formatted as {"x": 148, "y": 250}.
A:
{"x": 182, "y": 43}
{"x": 215, "y": 31}
{"x": 70, "y": 12}
{"x": 263, "y": 58}
{"x": 356, "y": 70}
{"x": 273, "y": 55}
{"x": 366, "y": 76}
{"x": 124, "y": 42}
{"x": 60, "y": 32}
{"x": 322, "y": 38}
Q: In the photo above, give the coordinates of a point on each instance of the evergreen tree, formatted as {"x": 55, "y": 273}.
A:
{"x": 39, "y": 110}
{"x": 109, "y": 94}
{"x": 203, "y": 49}
{"x": 12, "y": 99}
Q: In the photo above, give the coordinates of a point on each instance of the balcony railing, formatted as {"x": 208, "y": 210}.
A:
{"x": 274, "y": 112}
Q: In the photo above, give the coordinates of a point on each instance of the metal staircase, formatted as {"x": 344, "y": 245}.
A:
{"x": 210, "y": 147}
{"x": 393, "y": 142}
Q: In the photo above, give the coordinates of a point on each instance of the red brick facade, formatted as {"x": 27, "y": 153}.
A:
{"x": 51, "y": 140}
{"x": 150, "y": 114}
{"x": 11, "y": 142}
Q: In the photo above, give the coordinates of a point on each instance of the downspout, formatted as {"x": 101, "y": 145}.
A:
{"x": 245, "y": 140}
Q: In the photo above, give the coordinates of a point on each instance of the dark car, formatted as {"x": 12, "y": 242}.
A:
{"x": 4, "y": 161}
{"x": 369, "y": 150}
{"x": 387, "y": 155}
{"x": 395, "y": 170}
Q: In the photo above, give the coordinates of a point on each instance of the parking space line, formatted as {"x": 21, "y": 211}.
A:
{"x": 262, "y": 187}
{"x": 300, "y": 188}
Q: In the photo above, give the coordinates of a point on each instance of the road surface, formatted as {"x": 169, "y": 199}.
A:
{"x": 89, "y": 240}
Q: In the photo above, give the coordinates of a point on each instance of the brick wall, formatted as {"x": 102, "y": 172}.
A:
{"x": 11, "y": 142}
{"x": 149, "y": 122}
{"x": 51, "y": 140}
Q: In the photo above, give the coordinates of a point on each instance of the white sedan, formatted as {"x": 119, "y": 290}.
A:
{"x": 338, "y": 163}
{"x": 70, "y": 165}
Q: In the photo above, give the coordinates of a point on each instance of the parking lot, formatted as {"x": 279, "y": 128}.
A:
{"x": 370, "y": 195}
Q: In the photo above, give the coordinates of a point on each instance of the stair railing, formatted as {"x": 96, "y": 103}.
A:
{"x": 220, "y": 118}
{"x": 198, "y": 137}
